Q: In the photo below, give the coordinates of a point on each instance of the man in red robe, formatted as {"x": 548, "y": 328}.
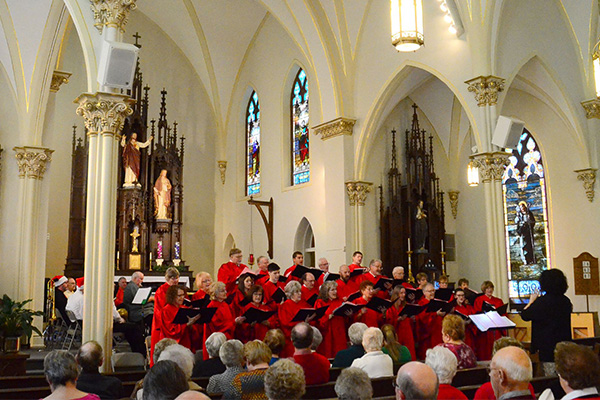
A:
{"x": 271, "y": 286}
{"x": 229, "y": 272}
{"x": 323, "y": 266}
{"x": 374, "y": 275}
{"x": 429, "y": 324}
{"x": 357, "y": 257}
{"x": 346, "y": 284}
{"x": 298, "y": 259}
{"x": 263, "y": 274}
{"x": 310, "y": 291}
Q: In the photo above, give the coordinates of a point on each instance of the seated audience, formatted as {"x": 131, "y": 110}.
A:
{"x": 353, "y": 384}
{"x": 510, "y": 373}
{"x": 164, "y": 381}
{"x": 399, "y": 354}
{"x": 161, "y": 346}
{"x": 315, "y": 366}
{"x": 212, "y": 366}
{"x": 284, "y": 380}
{"x": 375, "y": 363}
{"x": 231, "y": 355}
{"x": 251, "y": 384}
{"x": 192, "y": 395}
{"x": 416, "y": 380}
{"x": 317, "y": 339}
{"x": 61, "y": 371}
{"x": 578, "y": 370}
{"x": 444, "y": 363}
{"x": 344, "y": 358}
{"x": 183, "y": 357}
{"x": 276, "y": 342}
{"x": 90, "y": 358}
{"x": 453, "y": 334}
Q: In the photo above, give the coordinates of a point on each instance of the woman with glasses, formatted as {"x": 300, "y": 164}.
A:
{"x": 182, "y": 333}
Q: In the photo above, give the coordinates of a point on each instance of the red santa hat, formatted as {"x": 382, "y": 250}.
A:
{"x": 79, "y": 283}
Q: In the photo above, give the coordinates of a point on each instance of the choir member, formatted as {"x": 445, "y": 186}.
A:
{"x": 357, "y": 257}
{"x": 443, "y": 282}
{"x": 422, "y": 280}
{"x": 257, "y": 330}
{"x": 367, "y": 316}
{"x": 398, "y": 273}
{"x": 347, "y": 284}
{"x": 223, "y": 320}
{"x": 485, "y": 340}
{"x": 402, "y": 324}
{"x": 309, "y": 289}
{"x": 323, "y": 265}
{"x": 160, "y": 300}
{"x": 463, "y": 283}
{"x": 242, "y": 293}
{"x": 374, "y": 275}
{"x": 332, "y": 327}
{"x": 463, "y": 307}
{"x": 229, "y": 272}
{"x": 429, "y": 324}
{"x": 287, "y": 312}
{"x": 263, "y": 274}
{"x": 180, "y": 332}
{"x": 298, "y": 259}
{"x": 272, "y": 285}
{"x": 203, "y": 282}
{"x": 453, "y": 334}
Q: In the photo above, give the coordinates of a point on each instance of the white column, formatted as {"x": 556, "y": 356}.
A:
{"x": 357, "y": 195}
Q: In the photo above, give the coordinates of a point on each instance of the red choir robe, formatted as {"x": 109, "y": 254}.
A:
{"x": 354, "y": 266}
{"x": 236, "y": 303}
{"x": 382, "y": 293}
{"x": 485, "y": 340}
{"x": 261, "y": 277}
{"x": 288, "y": 274}
{"x": 259, "y": 330}
{"x": 287, "y": 312}
{"x": 198, "y": 329}
{"x": 404, "y": 328}
{"x": 270, "y": 288}
{"x": 168, "y": 329}
{"x": 222, "y": 321}
{"x": 428, "y": 330}
{"x": 160, "y": 301}
{"x": 308, "y": 293}
{"x": 470, "y": 328}
{"x": 371, "y": 318}
{"x": 200, "y": 294}
{"x": 345, "y": 289}
{"x": 333, "y": 330}
{"x": 119, "y": 297}
{"x": 228, "y": 274}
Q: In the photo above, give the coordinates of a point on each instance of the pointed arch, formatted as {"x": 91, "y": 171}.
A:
{"x": 228, "y": 245}
{"x": 304, "y": 241}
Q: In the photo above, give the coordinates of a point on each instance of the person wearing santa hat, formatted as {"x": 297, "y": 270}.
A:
{"x": 60, "y": 300}
{"x": 75, "y": 301}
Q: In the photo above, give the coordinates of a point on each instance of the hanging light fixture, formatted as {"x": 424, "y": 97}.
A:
{"x": 407, "y": 24}
{"x": 472, "y": 169}
{"x": 596, "y": 63}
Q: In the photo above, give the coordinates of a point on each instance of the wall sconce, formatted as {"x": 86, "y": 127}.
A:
{"x": 407, "y": 24}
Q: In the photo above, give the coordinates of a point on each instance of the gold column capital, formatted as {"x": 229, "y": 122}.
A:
{"x": 357, "y": 192}
{"x": 592, "y": 108}
{"x": 486, "y": 89}
{"x": 32, "y": 161}
{"x": 58, "y": 78}
{"x": 453, "y": 198}
{"x": 588, "y": 177}
{"x": 112, "y": 13}
{"x": 104, "y": 112}
{"x": 491, "y": 165}
{"x": 336, "y": 127}
{"x": 222, "y": 169}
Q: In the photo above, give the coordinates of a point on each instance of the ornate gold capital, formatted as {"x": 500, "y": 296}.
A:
{"x": 104, "y": 112}
{"x": 486, "y": 89}
{"x": 58, "y": 78}
{"x": 32, "y": 161}
{"x": 113, "y": 13}
{"x": 588, "y": 177}
{"x": 491, "y": 165}
{"x": 222, "y": 170}
{"x": 592, "y": 108}
{"x": 453, "y": 197}
{"x": 357, "y": 192}
{"x": 335, "y": 127}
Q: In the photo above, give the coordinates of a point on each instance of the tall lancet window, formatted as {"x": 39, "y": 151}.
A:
{"x": 300, "y": 145}
{"x": 525, "y": 217}
{"x": 253, "y": 146}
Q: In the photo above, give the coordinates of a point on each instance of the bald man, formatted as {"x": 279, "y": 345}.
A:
{"x": 510, "y": 373}
{"x": 416, "y": 380}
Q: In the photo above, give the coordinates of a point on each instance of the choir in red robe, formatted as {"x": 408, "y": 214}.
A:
{"x": 485, "y": 340}
{"x": 333, "y": 328}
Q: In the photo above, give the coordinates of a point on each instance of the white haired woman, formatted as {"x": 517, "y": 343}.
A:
{"x": 232, "y": 356}
{"x": 287, "y": 312}
{"x": 444, "y": 363}
{"x": 332, "y": 327}
{"x": 375, "y": 363}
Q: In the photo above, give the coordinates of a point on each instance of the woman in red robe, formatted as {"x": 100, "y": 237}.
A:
{"x": 257, "y": 330}
{"x": 371, "y": 318}
{"x": 241, "y": 298}
{"x": 333, "y": 328}
{"x": 429, "y": 324}
{"x": 287, "y": 312}
{"x": 485, "y": 340}
{"x": 463, "y": 307}
{"x": 401, "y": 323}
{"x": 203, "y": 282}
{"x": 223, "y": 320}
{"x": 179, "y": 332}
{"x": 160, "y": 301}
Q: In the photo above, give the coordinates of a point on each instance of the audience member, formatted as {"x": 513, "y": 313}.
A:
{"x": 284, "y": 380}
{"x": 317, "y": 339}
{"x": 164, "y": 381}
{"x": 161, "y": 346}
{"x": 453, "y": 334}
{"x": 275, "y": 339}
{"x": 231, "y": 355}
{"x": 315, "y": 366}
{"x": 183, "y": 357}
{"x": 61, "y": 371}
{"x": 251, "y": 384}
{"x": 344, "y": 358}
{"x": 90, "y": 358}
{"x": 510, "y": 373}
{"x": 444, "y": 364}
{"x": 399, "y": 353}
{"x": 375, "y": 363}
{"x": 578, "y": 370}
{"x": 192, "y": 395}
{"x": 212, "y": 366}
{"x": 353, "y": 384}
{"x": 416, "y": 381}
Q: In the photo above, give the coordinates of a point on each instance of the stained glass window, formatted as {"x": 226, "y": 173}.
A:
{"x": 253, "y": 146}
{"x": 299, "y": 108}
{"x": 525, "y": 217}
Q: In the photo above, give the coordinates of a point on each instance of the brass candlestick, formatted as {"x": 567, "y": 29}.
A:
{"x": 443, "y": 253}
{"x": 411, "y": 278}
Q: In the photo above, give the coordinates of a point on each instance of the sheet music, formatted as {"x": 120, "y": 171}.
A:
{"x": 141, "y": 296}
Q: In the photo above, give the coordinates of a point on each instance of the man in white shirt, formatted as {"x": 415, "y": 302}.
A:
{"x": 75, "y": 302}
{"x": 578, "y": 371}
{"x": 375, "y": 363}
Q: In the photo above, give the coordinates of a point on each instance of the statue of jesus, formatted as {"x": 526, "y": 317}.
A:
{"x": 131, "y": 159}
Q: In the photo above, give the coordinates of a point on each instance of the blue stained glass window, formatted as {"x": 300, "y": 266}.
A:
{"x": 253, "y": 146}
{"x": 300, "y": 139}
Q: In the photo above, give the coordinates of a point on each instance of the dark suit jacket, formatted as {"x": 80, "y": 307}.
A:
{"x": 208, "y": 368}
{"x": 107, "y": 387}
{"x": 344, "y": 358}
{"x": 133, "y": 310}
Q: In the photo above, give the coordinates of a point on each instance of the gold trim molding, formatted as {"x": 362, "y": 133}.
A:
{"x": 335, "y": 127}
{"x": 588, "y": 177}
{"x": 59, "y": 78}
{"x": 222, "y": 170}
{"x": 453, "y": 198}
{"x": 592, "y": 108}
{"x": 357, "y": 192}
{"x": 491, "y": 165}
{"x": 32, "y": 161}
{"x": 112, "y": 13}
{"x": 486, "y": 89}
{"x": 104, "y": 112}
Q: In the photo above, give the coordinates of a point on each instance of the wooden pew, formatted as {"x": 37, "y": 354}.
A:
{"x": 470, "y": 376}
